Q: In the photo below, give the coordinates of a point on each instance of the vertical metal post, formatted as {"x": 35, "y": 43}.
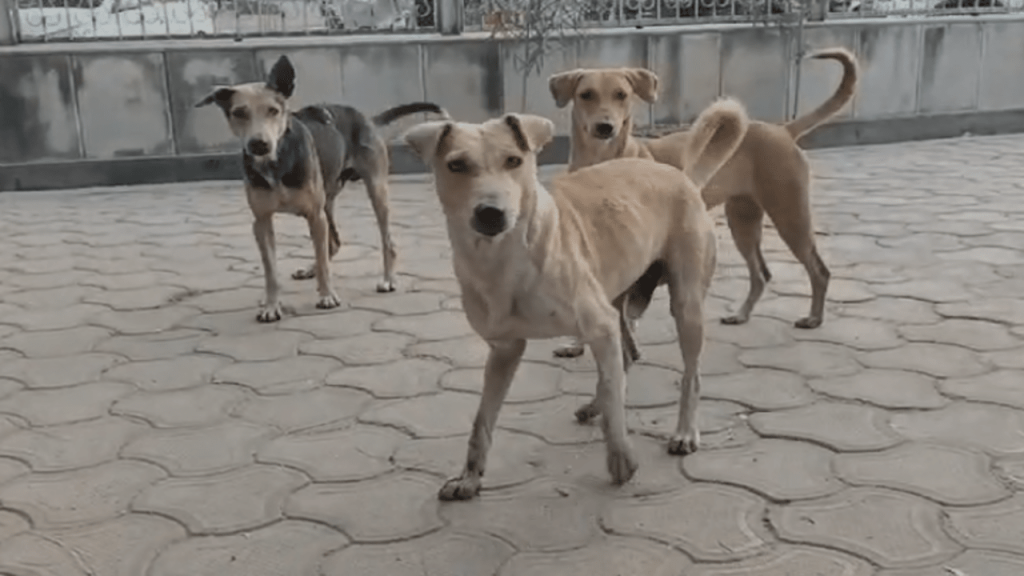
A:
{"x": 448, "y": 16}
{"x": 8, "y": 23}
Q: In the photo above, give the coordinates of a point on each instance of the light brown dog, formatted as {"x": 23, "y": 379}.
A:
{"x": 768, "y": 174}
{"x": 534, "y": 264}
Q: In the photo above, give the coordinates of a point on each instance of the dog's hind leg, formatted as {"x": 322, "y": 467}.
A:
{"x": 333, "y": 238}
{"x": 377, "y": 188}
{"x": 263, "y": 231}
{"x": 687, "y": 304}
{"x": 800, "y": 240}
{"x": 502, "y": 363}
{"x": 746, "y": 222}
{"x": 318, "y": 231}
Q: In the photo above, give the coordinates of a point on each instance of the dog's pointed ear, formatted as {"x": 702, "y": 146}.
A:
{"x": 282, "y": 77}
{"x": 221, "y": 95}
{"x": 530, "y": 131}
{"x": 424, "y": 139}
{"x": 644, "y": 83}
{"x": 563, "y": 86}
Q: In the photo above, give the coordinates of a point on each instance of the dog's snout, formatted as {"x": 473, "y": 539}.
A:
{"x": 604, "y": 130}
{"x": 258, "y": 147}
{"x": 488, "y": 220}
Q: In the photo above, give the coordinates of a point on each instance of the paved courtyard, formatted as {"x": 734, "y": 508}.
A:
{"x": 149, "y": 426}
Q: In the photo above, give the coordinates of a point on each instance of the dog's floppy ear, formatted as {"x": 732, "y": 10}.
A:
{"x": 531, "y": 132}
{"x": 714, "y": 137}
{"x": 282, "y": 77}
{"x": 644, "y": 83}
{"x": 221, "y": 95}
{"x": 425, "y": 138}
{"x": 563, "y": 86}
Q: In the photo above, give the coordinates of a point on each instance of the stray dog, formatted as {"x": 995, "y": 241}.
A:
{"x": 769, "y": 172}
{"x": 534, "y": 264}
{"x": 298, "y": 162}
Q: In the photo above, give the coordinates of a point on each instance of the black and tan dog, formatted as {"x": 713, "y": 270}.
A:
{"x": 297, "y": 162}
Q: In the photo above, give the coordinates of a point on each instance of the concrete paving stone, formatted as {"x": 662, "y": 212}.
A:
{"x": 42, "y": 300}
{"x": 972, "y": 334}
{"x": 656, "y": 327}
{"x": 123, "y": 281}
{"x": 367, "y": 349}
{"x": 183, "y": 371}
{"x": 50, "y": 343}
{"x": 1007, "y": 359}
{"x": 230, "y": 300}
{"x": 999, "y": 387}
{"x": 939, "y": 360}
{"x": 335, "y": 325}
{"x": 552, "y": 420}
{"x": 466, "y": 352}
{"x": 399, "y": 379}
{"x": 393, "y": 507}
{"x": 59, "y": 372}
{"x": 80, "y": 497}
{"x": 288, "y": 548}
{"x": 10, "y": 469}
{"x": 947, "y": 474}
{"x": 779, "y": 469}
{"x": 790, "y": 561}
{"x": 513, "y": 458}
{"x": 533, "y": 381}
{"x": 441, "y": 325}
{"x": 46, "y": 280}
{"x": 761, "y": 389}
{"x": 125, "y": 546}
{"x": 49, "y": 407}
{"x": 970, "y": 563}
{"x": 236, "y": 323}
{"x": 713, "y": 416}
{"x": 159, "y": 346}
{"x": 758, "y": 332}
{"x": 260, "y": 347}
{"x": 542, "y": 516}
{"x": 873, "y": 272}
{"x": 997, "y": 526}
{"x": 731, "y": 528}
{"x": 925, "y": 241}
{"x": 305, "y": 410}
{"x": 200, "y": 451}
{"x": 8, "y": 386}
{"x": 31, "y": 554}
{"x": 891, "y": 529}
{"x": 716, "y": 358}
{"x": 809, "y": 359}
{"x": 992, "y": 429}
{"x": 647, "y": 386}
{"x": 856, "y": 333}
{"x": 242, "y": 499}
{"x": 187, "y": 407}
{"x": 607, "y": 556}
{"x": 892, "y": 309}
{"x": 147, "y": 298}
{"x": 284, "y": 376}
{"x": 841, "y": 427}
{"x": 434, "y": 416}
{"x": 344, "y": 455}
{"x": 987, "y": 254}
{"x": 136, "y": 322}
{"x": 11, "y": 524}
{"x": 446, "y": 553}
{"x": 70, "y": 446}
{"x": 1001, "y": 310}
{"x": 894, "y": 389}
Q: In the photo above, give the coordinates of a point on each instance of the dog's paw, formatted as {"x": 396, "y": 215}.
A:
{"x": 808, "y": 322}
{"x": 683, "y": 444}
{"x": 587, "y": 412}
{"x": 269, "y": 314}
{"x": 569, "y": 351}
{"x": 386, "y": 286}
{"x": 622, "y": 465}
{"x": 329, "y": 301}
{"x": 461, "y": 488}
{"x": 735, "y": 320}
{"x": 304, "y": 273}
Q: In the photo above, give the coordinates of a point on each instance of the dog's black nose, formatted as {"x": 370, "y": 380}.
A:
{"x": 258, "y": 147}
{"x": 604, "y": 130}
{"x": 488, "y": 220}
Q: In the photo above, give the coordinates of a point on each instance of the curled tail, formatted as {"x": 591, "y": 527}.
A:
{"x": 804, "y": 124}
{"x": 714, "y": 137}
{"x": 391, "y": 114}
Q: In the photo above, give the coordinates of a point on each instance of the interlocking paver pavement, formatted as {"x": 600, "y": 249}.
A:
{"x": 150, "y": 426}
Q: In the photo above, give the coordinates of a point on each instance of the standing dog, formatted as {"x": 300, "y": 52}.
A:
{"x": 298, "y": 162}
{"x": 534, "y": 264}
{"x": 769, "y": 172}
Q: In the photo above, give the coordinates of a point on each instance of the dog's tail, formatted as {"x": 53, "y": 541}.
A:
{"x": 714, "y": 138}
{"x": 804, "y": 124}
{"x": 391, "y": 114}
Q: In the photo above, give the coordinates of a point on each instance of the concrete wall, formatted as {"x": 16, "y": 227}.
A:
{"x": 122, "y": 112}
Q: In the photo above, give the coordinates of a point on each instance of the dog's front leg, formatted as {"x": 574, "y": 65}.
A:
{"x": 606, "y": 346}
{"x": 502, "y": 362}
{"x": 263, "y": 231}
{"x": 318, "y": 231}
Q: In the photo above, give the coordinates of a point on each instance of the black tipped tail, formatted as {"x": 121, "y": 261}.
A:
{"x": 390, "y": 115}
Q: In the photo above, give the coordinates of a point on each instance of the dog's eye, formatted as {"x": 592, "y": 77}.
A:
{"x": 458, "y": 166}
{"x": 273, "y": 112}
{"x": 620, "y": 95}
{"x": 240, "y": 113}
{"x": 587, "y": 95}
{"x": 513, "y": 162}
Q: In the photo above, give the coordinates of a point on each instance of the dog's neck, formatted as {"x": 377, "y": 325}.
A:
{"x": 286, "y": 168}
{"x": 585, "y": 150}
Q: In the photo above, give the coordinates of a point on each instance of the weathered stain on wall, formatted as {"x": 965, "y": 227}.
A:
{"x": 37, "y": 111}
